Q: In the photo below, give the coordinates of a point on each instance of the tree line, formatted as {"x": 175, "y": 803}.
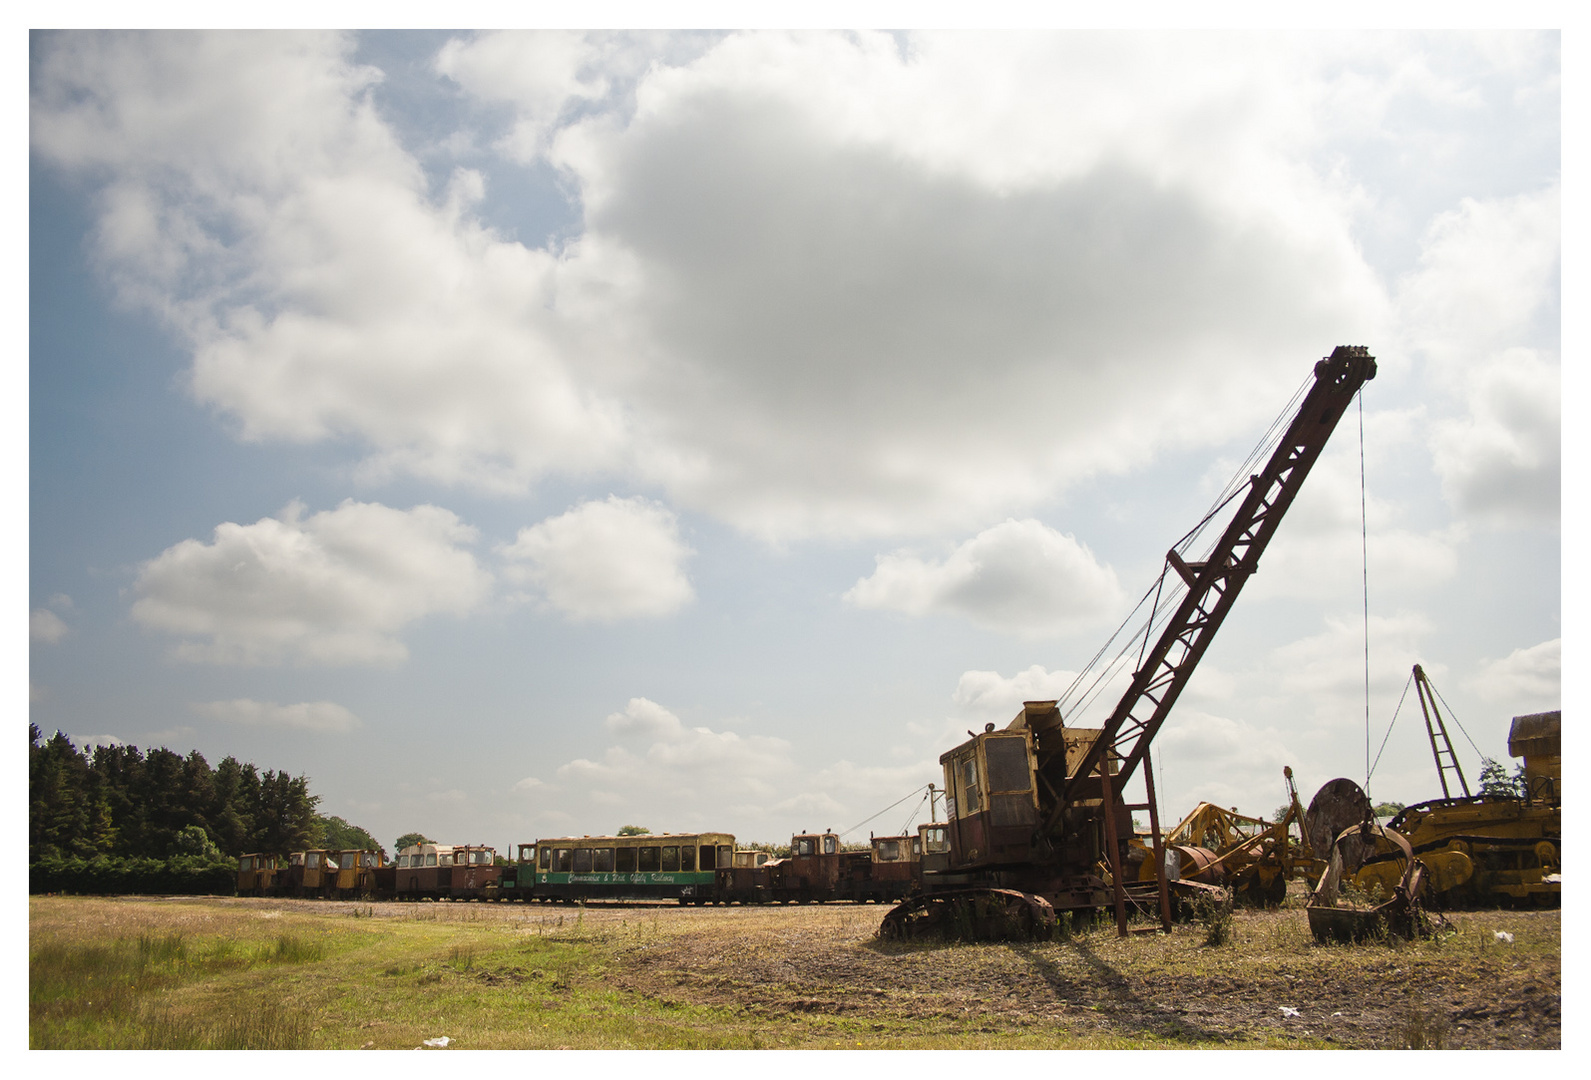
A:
{"x": 117, "y": 806}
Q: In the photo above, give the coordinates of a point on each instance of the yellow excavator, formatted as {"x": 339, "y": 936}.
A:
{"x": 1253, "y": 857}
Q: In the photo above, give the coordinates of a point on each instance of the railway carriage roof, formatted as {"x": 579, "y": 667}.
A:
{"x": 645, "y": 838}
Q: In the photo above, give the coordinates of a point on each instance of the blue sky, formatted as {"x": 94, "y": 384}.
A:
{"x": 540, "y": 433}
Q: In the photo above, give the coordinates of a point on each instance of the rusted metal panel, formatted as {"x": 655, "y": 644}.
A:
{"x": 1536, "y": 733}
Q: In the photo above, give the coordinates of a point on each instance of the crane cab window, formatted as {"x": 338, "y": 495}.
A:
{"x": 887, "y": 850}
{"x": 969, "y": 796}
{"x": 831, "y": 844}
{"x": 1007, "y": 756}
{"x": 806, "y": 845}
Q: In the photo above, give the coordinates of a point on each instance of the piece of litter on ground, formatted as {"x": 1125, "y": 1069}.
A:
{"x": 1288, "y": 1010}
{"x": 440, "y": 1041}
{"x": 1505, "y": 936}
{"x": 1336, "y": 1014}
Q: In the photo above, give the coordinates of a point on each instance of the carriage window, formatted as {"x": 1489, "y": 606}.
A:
{"x": 687, "y": 858}
{"x": 806, "y": 846}
{"x": 430, "y": 858}
{"x": 649, "y": 857}
{"x": 583, "y": 860}
{"x": 545, "y": 855}
{"x": 445, "y": 860}
{"x": 707, "y": 856}
{"x": 671, "y": 858}
{"x": 624, "y": 861}
{"x": 563, "y": 859}
{"x": 602, "y": 860}
{"x": 726, "y": 854}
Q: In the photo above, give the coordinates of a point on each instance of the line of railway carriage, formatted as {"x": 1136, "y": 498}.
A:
{"x": 688, "y": 868}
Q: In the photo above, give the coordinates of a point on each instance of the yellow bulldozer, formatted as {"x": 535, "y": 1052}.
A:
{"x": 1500, "y": 845}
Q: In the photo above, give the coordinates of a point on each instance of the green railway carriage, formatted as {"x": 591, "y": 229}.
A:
{"x": 668, "y": 866}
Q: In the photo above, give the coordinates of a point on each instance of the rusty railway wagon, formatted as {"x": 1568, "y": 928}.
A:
{"x": 446, "y": 872}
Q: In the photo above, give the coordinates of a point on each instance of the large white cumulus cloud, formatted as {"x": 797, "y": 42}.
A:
{"x": 332, "y": 588}
{"x": 257, "y": 201}
{"x": 824, "y": 283}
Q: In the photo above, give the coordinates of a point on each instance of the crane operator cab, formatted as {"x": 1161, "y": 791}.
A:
{"x": 1003, "y": 783}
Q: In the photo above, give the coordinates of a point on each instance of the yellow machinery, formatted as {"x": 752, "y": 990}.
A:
{"x": 1488, "y": 847}
{"x": 1253, "y": 856}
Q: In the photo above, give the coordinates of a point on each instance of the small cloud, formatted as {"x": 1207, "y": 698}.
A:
{"x": 326, "y": 589}
{"x": 178, "y": 734}
{"x": 1524, "y": 680}
{"x": 530, "y": 783}
{"x": 1020, "y": 576}
{"x": 644, "y": 719}
{"x": 320, "y": 716}
{"x": 605, "y": 561}
{"x": 988, "y": 694}
{"x": 61, "y": 602}
{"x": 46, "y": 626}
{"x": 86, "y": 743}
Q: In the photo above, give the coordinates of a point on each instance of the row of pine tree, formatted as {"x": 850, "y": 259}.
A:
{"x": 118, "y": 802}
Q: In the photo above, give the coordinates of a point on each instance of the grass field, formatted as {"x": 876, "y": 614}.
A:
{"x": 273, "y": 974}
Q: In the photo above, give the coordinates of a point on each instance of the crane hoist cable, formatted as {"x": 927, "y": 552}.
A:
{"x": 1083, "y": 690}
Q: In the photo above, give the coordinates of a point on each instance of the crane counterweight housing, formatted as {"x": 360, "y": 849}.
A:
{"x": 1035, "y": 808}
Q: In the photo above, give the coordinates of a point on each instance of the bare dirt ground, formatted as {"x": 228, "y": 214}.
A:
{"x": 1272, "y": 985}
{"x": 1475, "y": 993}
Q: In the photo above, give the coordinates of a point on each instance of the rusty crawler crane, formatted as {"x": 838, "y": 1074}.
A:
{"x": 1026, "y": 804}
